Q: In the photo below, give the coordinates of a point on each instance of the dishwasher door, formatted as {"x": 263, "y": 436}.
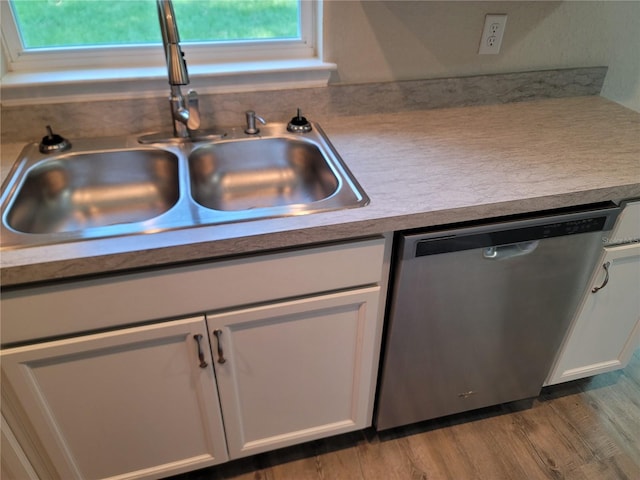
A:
{"x": 477, "y": 314}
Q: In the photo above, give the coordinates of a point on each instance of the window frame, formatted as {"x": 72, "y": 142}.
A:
{"x": 45, "y": 75}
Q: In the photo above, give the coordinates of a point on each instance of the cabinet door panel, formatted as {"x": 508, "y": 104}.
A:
{"x": 132, "y": 403}
{"x": 296, "y": 371}
{"x": 604, "y": 335}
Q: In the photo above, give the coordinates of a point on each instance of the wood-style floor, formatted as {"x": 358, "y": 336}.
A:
{"x": 584, "y": 430}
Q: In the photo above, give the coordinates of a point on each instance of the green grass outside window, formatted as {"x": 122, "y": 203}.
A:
{"x": 67, "y": 23}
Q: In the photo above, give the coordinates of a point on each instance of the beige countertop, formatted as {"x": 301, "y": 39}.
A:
{"x": 419, "y": 168}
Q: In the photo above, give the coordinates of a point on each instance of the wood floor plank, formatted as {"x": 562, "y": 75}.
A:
{"x": 487, "y": 461}
{"x": 509, "y": 444}
{"x": 338, "y": 459}
{"x": 548, "y": 451}
{"x": 585, "y": 422}
{"x": 618, "y": 407}
{"x": 617, "y": 467}
{"x": 436, "y": 454}
{"x": 385, "y": 460}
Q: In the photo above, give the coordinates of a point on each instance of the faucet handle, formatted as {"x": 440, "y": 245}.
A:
{"x": 193, "y": 123}
{"x": 299, "y": 124}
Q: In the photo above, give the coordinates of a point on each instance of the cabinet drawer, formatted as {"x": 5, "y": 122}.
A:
{"x": 113, "y": 301}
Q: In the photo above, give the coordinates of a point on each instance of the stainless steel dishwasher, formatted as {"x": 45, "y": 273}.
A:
{"x": 478, "y": 312}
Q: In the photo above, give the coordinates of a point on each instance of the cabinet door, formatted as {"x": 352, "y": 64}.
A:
{"x": 296, "y": 371}
{"x": 605, "y": 333}
{"x": 132, "y": 403}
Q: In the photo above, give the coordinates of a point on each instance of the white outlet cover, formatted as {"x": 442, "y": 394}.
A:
{"x": 492, "y": 33}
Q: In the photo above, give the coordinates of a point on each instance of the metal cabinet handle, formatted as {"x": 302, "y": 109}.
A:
{"x": 606, "y": 278}
{"x": 203, "y": 363}
{"x": 221, "y": 358}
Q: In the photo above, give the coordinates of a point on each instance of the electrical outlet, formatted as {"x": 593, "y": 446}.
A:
{"x": 492, "y": 33}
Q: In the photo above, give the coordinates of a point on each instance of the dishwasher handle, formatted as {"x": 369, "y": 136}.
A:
{"x": 504, "y": 252}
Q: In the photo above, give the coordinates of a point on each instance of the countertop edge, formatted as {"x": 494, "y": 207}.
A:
{"x": 264, "y": 243}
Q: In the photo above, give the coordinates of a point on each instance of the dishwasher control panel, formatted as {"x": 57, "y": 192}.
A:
{"x": 510, "y": 232}
{"x": 585, "y": 225}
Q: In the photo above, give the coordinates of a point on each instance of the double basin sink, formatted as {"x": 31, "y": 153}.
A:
{"x": 116, "y": 186}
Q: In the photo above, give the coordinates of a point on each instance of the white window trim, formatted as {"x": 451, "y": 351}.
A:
{"x": 102, "y": 73}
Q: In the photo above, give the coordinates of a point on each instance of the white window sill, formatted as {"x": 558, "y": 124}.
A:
{"x": 28, "y": 88}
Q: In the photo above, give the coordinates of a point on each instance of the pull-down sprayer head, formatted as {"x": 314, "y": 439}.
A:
{"x": 176, "y": 65}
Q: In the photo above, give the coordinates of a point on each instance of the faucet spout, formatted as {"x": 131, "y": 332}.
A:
{"x": 184, "y": 113}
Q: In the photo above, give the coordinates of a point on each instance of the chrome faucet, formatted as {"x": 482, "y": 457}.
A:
{"x": 184, "y": 111}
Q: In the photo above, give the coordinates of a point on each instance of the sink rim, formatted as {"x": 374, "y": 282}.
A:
{"x": 186, "y": 213}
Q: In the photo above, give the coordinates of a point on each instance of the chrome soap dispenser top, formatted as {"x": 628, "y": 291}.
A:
{"x": 252, "y": 129}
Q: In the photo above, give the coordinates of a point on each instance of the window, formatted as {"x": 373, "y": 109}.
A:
{"x": 65, "y": 41}
{"x": 45, "y": 24}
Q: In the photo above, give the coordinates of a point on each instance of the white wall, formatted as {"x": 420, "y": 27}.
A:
{"x": 386, "y": 40}
{"x": 401, "y": 40}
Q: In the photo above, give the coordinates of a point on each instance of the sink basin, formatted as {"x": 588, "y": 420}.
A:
{"x": 75, "y": 192}
{"x": 113, "y": 186}
{"x": 260, "y": 173}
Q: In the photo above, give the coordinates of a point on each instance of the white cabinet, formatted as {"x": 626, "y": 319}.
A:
{"x": 606, "y": 330}
{"x": 300, "y": 332}
{"x": 296, "y": 371}
{"x": 134, "y": 403}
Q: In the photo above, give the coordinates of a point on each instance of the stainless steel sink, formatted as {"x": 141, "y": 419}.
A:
{"x": 75, "y": 192}
{"x": 260, "y": 173}
{"x": 114, "y": 186}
